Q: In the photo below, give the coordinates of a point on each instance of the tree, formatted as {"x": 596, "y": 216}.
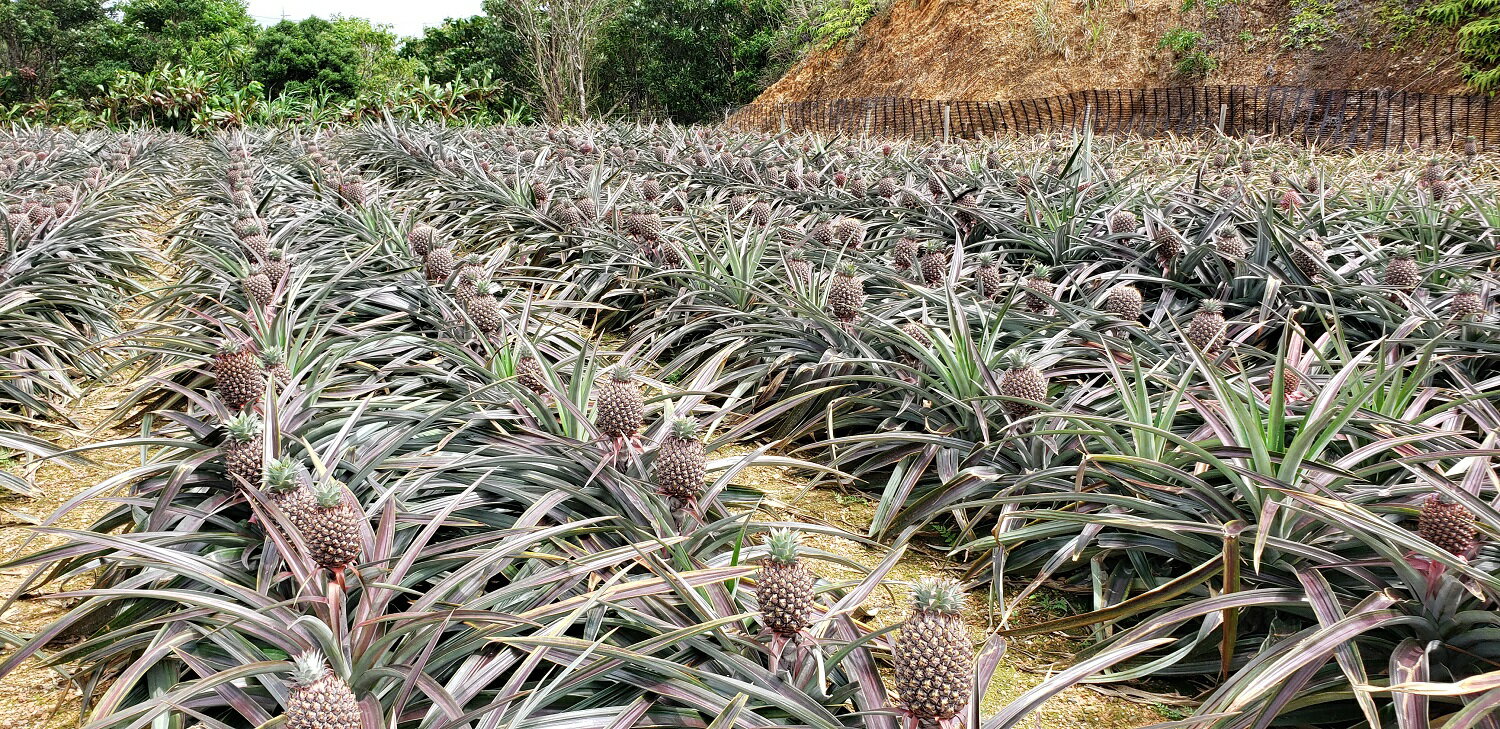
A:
{"x": 561, "y": 38}
{"x": 216, "y": 35}
{"x": 56, "y": 44}
{"x": 469, "y": 48}
{"x": 380, "y": 67}
{"x": 306, "y": 54}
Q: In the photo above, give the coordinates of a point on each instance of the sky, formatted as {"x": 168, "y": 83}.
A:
{"x": 406, "y": 17}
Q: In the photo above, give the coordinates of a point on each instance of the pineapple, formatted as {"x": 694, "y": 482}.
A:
{"x": 287, "y": 491}
{"x": 240, "y": 378}
{"x": 276, "y": 267}
{"x": 1230, "y": 245}
{"x": 1290, "y": 200}
{"x": 484, "y": 308}
{"x": 1123, "y": 302}
{"x": 438, "y": 264}
{"x": 1401, "y": 270}
{"x": 1431, "y": 174}
{"x": 679, "y": 462}
{"x": 466, "y": 286}
{"x": 586, "y": 207}
{"x": 243, "y": 451}
{"x": 987, "y": 278}
{"x": 1167, "y": 244}
{"x": 353, "y": 191}
{"x": 319, "y": 699}
{"x": 331, "y": 530}
{"x": 784, "y": 587}
{"x": 650, "y": 189}
{"x": 1466, "y": 302}
{"x": 846, "y": 296}
{"x": 259, "y": 288}
{"x": 1038, "y": 285}
{"x": 1206, "y": 330}
{"x": 273, "y": 361}
{"x": 1449, "y": 526}
{"x": 849, "y": 232}
{"x": 821, "y": 232}
{"x": 646, "y": 226}
{"x": 859, "y": 187}
{"x": 621, "y": 408}
{"x": 886, "y": 187}
{"x": 916, "y": 331}
{"x": 935, "y": 265}
{"x": 904, "y": 253}
{"x": 760, "y": 213}
{"x": 798, "y": 268}
{"x": 1309, "y": 256}
{"x": 420, "y": 239}
{"x": 1123, "y": 221}
{"x": 530, "y": 374}
{"x": 934, "y": 659}
{"x": 1023, "y": 381}
{"x": 256, "y": 246}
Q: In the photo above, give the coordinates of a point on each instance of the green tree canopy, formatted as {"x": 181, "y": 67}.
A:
{"x": 307, "y": 54}
{"x": 72, "y": 45}
{"x": 209, "y": 34}
{"x": 468, "y": 48}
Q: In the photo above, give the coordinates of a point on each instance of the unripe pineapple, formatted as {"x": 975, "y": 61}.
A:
{"x": 1023, "y": 381}
{"x": 1206, "y": 330}
{"x": 276, "y": 267}
{"x": 484, "y": 308}
{"x": 621, "y": 407}
{"x": 353, "y": 191}
{"x": 1230, "y": 245}
{"x": 273, "y": 361}
{"x": 987, "y": 278}
{"x": 798, "y": 268}
{"x": 586, "y": 207}
{"x": 1449, "y": 526}
{"x": 935, "y": 265}
{"x": 319, "y": 699}
{"x": 645, "y": 225}
{"x": 1290, "y": 200}
{"x": 886, "y": 187}
{"x": 821, "y": 232}
{"x": 256, "y": 246}
{"x": 680, "y": 462}
{"x": 331, "y": 530}
{"x": 904, "y": 253}
{"x": 1440, "y": 190}
{"x": 1431, "y": 174}
{"x": 243, "y": 451}
{"x": 650, "y": 189}
{"x": 530, "y": 374}
{"x": 1123, "y": 221}
{"x": 992, "y": 161}
{"x": 1167, "y": 244}
{"x": 859, "y": 187}
{"x": 1401, "y": 270}
{"x": 438, "y": 264}
{"x": 934, "y": 659}
{"x": 466, "y": 283}
{"x": 846, "y": 295}
{"x": 420, "y": 239}
{"x": 916, "y": 331}
{"x": 1039, "y": 285}
{"x": 849, "y": 232}
{"x": 760, "y": 213}
{"x": 784, "y": 587}
{"x": 540, "y": 193}
{"x": 286, "y": 489}
{"x": 1466, "y": 302}
{"x": 240, "y": 378}
{"x": 1124, "y": 302}
{"x": 1308, "y": 256}
{"x": 259, "y": 288}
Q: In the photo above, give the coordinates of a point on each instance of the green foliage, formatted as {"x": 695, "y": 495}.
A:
{"x": 842, "y": 19}
{"x": 72, "y": 45}
{"x": 1180, "y": 40}
{"x": 471, "y": 48}
{"x": 311, "y": 54}
{"x": 1478, "y": 24}
{"x": 689, "y": 58}
{"x": 379, "y": 67}
{"x": 1191, "y": 61}
{"x": 1312, "y": 22}
{"x": 217, "y": 34}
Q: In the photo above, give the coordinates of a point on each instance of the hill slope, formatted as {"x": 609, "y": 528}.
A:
{"x": 1009, "y": 49}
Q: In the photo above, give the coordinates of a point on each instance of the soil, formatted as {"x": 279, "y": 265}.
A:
{"x": 986, "y": 50}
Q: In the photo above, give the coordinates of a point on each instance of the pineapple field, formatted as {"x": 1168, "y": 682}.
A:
{"x": 407, "y": 426}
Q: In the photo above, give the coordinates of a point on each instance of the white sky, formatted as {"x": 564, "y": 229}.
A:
{"x": 406, "y": 17}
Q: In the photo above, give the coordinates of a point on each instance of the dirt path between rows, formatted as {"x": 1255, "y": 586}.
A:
{"x": 35, "y": 696}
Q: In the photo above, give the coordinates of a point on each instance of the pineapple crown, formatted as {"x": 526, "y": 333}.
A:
{"x": 272, "y": 357}
{"x": 484, "y": 287}
{"x": 230, "y": 348}
{"x": 1020, "y": 360}
{"x": 329, "y": 494}
{"x": 847, "y": 270}
{"x": 281, "y": 474}
{"x": 938, "y": 595}
{"x": 783, "y": 546}
{"x": 1213, "y": 306}
{"x": 308, "y": 668}
{"x": 256, "y": 271}
{"x": 796, "y": 254}
{"x": 1401, "y": 252}
{"x": 986, "y": 260}
{"x": 685, "y": 429}
{"x": 1466, "y": 285}
{"x": 276, "y": 254}
{"x": 1039, "y": 270}
{"x": 243, "y": 428}
{"x": 621, "y": 373}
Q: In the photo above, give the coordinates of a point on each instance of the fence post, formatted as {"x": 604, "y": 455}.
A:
{"x": 783, "y": 120}
{"x": 1223, "y": 115}
{"x": 947, "y": 121}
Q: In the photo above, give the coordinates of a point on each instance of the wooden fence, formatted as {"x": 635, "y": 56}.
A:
{"x": 1335, "y": 118}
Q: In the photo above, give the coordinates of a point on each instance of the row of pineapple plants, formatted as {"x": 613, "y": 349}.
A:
{"x": 395, "y": 478}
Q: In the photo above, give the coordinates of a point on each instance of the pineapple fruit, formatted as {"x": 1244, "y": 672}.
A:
{"x": 1206, "y": 330}
{"x": 680, "y": 468}
{"x": 240, "y": 378}
{"x": 1123, "y": 302}
{"x": 1401, "y": 270}
{"x": 1039, "y": 285}
{"x": 331, "y": 529}
{"x": 784, "y": 587}
{"x": 933, "y": 656}
{"x": 620, "y": 408}
{"x": 1449, "y": 526}
{"x": 1023, "y": 381}
{"x": 846, "y": 296}
{"x": 243, "y": 449}
{"x": 319, "y": 699}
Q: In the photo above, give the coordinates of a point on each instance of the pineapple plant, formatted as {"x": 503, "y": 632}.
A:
{"x": 243, "y": 450}
{"x": 846, "y": 296}
{"x": 620, "y": 408}
{"x": 484, "y": 308}
{"x": 331, "y": 529}
{"x": 1023, "y": 381}
{"x": 784, "y": 588}
{"x": 1229, "y": 244}
{"x": 276, "y": 267}
{"x": 1123, "y": 302}
{"x": 1401, "y": 270}
{"x": 680, "y": 466}
{"x": 987, "y": 278}
{"x": 1206, "y": 330}
{"x": 1038, "y": 285}
{"x": 319, "y": 699}
{"x": 935, "y": 265}
{"x": 240, "y": 378}
{"x": 933, "y": 656}
{"x": 904, "y": 254}
{"x": 1466, "y": 302}
{"x": 1449, "y": 526}
{"x": 438, "y": 265}
{"x": 1308, "y": 256}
